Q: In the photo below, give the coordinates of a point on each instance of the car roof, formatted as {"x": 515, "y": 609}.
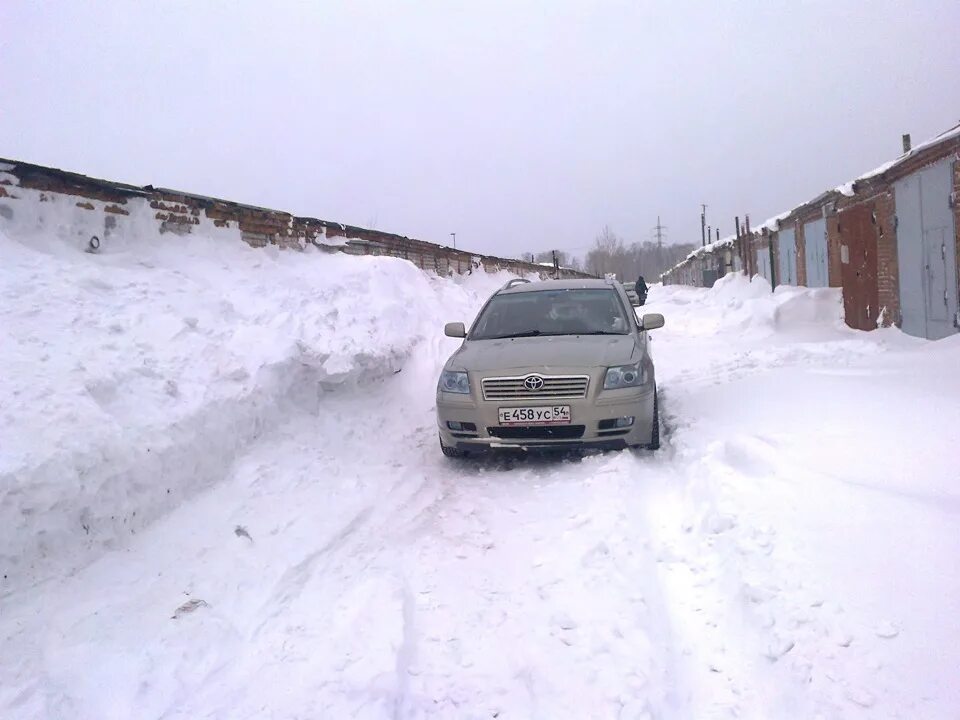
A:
{"x": 578, "y": 284}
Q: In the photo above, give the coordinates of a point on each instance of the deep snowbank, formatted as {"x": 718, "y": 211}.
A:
{"x": 134, "y": 377}
{"x": 789, "y": 553}
{"x": 815, "y": 545}
{"x": 738, "y": 304}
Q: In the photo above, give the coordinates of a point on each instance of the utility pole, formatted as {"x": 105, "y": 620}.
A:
{"x": 703, "y": 224}
{"x": 743, "y": 262}
{"x": 751, "y": 258}
{"x": 709, "y": 234}
{"x": 454, "y": 236}
{"x": 556, "y": 266}
{"x": 773, "y": 268}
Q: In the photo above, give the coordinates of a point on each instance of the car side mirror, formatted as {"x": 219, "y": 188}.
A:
{"x": 635, "y": 303}
{"x": 652, "y": 321}
{"x": 458, "y": 330}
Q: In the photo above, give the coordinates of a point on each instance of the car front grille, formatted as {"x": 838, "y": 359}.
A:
{"x": 537, "y": 432}
{"x": 568, "y": 387}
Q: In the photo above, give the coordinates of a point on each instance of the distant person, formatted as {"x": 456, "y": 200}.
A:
{"x": 641, "y": 290}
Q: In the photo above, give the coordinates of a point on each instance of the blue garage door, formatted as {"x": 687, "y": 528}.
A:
{"x": 763, "y": 262}
{"x": 815, "y": 243}
{"x": 926, "y": 252}
{"x": 788, "y": 257}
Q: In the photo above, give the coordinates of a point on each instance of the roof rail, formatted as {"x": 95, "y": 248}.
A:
{"x": 511, "y": 283}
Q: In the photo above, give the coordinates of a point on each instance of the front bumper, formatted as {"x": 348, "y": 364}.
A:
{"x": 483, "y": 432}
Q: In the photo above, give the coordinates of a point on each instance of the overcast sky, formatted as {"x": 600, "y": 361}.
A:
{"x": 518, "y": 125}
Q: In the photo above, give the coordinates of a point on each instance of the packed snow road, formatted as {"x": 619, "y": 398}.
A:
{"x": 789, "y": 553}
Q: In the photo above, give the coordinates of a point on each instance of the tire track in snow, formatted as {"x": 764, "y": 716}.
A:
{"x": 475, "y": 599}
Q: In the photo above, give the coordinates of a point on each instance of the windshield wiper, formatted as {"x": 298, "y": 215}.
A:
{"x": 535, "y": 333}
{"x": 525, "y": 333}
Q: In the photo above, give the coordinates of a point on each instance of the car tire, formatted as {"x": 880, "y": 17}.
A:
{"x": 655, "y": 431}
{"x": 451, "y": 452}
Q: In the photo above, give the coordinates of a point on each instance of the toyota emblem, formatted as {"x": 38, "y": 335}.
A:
{"x": 533, "y": 383}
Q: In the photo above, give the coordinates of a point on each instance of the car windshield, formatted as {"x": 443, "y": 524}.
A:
{"x": 595, "y": 311}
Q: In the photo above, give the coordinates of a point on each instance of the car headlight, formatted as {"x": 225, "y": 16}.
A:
{"x": 623, "y": 376}
{"x": 454, "y": 381}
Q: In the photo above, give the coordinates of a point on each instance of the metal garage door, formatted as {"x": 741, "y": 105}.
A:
{"x": 858, "y": 268}
{"x": 926, "y": 252}
{"x": 815, "y": 239}
{"x": 763, "y": 262}
{"x": 788, "y": 257}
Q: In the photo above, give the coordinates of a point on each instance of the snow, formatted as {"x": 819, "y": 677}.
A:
{"x": 772, "y": 224}
{"x": 848, "y": 188}
{"x": 942, "y": 137}
{"x": 711, "y": 247}
{"x": 789, "y": 553}
{"x": 338, "y": 241}
{"x": 135, "y": 375}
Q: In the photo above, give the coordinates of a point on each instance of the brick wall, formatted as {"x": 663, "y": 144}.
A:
{"x": 834, "y": 241}
{"x": 773, "y": 243}
{"x": 801, "y": 253}
{"x": 32, "y": 195}
{"x": 888, "y": 279}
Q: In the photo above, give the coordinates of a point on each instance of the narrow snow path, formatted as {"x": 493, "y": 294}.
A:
{"x": 345, "y": 569}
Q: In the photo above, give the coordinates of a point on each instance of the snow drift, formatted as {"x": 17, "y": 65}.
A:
{"x": 134, "y": 377}
{"x": 789, "y": 553}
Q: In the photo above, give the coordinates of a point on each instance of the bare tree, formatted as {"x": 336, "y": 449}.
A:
{"x": 610, "y": 254}
{"x": 606, "y": 254}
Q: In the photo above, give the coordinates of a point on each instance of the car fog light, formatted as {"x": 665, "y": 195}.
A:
{"x": 454, "y": 425}
{"x": 623, "y": 422}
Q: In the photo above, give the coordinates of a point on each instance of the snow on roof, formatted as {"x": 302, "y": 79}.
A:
{"x": 710, "y": 247}
{"x": 773, "y": 223}
{"x": 848, "y": 188}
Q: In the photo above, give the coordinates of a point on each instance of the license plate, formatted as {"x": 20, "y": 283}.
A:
{"x": 550, "y": 415}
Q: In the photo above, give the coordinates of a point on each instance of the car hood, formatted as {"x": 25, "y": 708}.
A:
{"x": 553, "y": 350}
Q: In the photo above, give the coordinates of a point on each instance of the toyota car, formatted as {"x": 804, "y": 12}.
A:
{"x": 551, "y": 365}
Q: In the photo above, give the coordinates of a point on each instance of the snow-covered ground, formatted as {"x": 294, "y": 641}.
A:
{"x": 221, "y": 496}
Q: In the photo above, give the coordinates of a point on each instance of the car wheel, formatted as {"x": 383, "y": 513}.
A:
{"x": 655, "y": 431}
{"x": 451, "y": 452}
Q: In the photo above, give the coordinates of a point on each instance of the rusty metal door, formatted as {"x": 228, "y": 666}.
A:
{"x": 926, "y": 252}
{"x": 815, "y": 237}
{"x": 858, "y": 267}
{"x": 787, "y": 240}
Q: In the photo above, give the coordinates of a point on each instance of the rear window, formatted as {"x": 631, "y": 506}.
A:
{"x": 594, "y": 311}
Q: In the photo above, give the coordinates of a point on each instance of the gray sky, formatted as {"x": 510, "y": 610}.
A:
{"x": 518, "y": 125}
